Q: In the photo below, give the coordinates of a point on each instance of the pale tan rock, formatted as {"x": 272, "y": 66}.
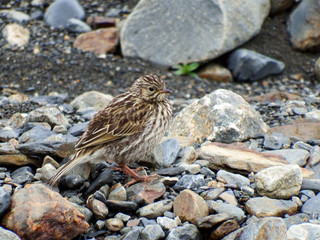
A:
{"x": 237, "y": 158}
{"x": 215, "y": 72}
{"x": 268, "y": 207}
{"x": 99, "y": 209}
{"x": 100, "y": 41}
{"x": 18, "y": 160}
{"x": 36, "y": 212}
{"x": 16, "y": 34}
{"x": 18, "y": 120}
{"x": 91, "y": 99}
{"x": 189, "y": 206}
{"x": 118, "y": 192}
{"x": 114, "y": 224}
{"x": 279, "y": 181}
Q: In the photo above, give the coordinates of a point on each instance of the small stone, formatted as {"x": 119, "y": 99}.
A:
{"x": 156, "y": 209}
{"x": 172, "y": 171}
{"x": 215, "y": 72}
{"x": 189, "y": 206}
{"x": 212, "y": 194}
{"x": 296, "y": 219}
{"x": 59, "y": 12}
{"x": 166, "y": 153}
{"x": 114, "y": 224}
{"x": 187, "y": 155}
{"x": 275, "y": 141}
{"x": 133, "y": 222}
{"x": 100, "y": 224}
{"x": 123, "y": 217}
{"x": 72, "y": 181}
{"x": 124, "y": 206}
{"x": 146, "y": 192}
{"x": 105, "y": 177}
{"x": 22, "y": 175}
{"x": 314, "y": 156}
{"x": 279, "y": 181}
{"x": 229, "y": 197}
{"x": 18, "y": 160}
{"x": 60, "y": 129}
{"x": 133, "y": 234}
{"x": 224, "y": 229}
{"x": 311, "y": 206}
{"x": 16, "y": 16}
{"x": 265, "y": 228}
{"x": 231, "y": 210}
{"x": 5, "y": 200}
{"x": 303, "y": 231}
{"x": 191, "y": 168}
{"x": 185, "y": 232}
{"x": 91, "y": 99}
{"x": 212, "y": 221}
{"x": 166, "y": 223}
{"x": 294, "y": 156}
{"x": 118, "y": 192}
{"x": 99, "y": 209}
{"x": 192, "y": 182}
{"x": 231, "y": 178}
{"x": 77, "y": 26}
{"x": 267, "y": 207}
{"x": 100, "y": 41}
{"x": 207, "y": 172}
{"x": 152, "y": 232}
{"x": 47, "y": 171}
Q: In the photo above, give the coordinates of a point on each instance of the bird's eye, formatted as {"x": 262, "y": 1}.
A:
{"x": 151, "y": 89}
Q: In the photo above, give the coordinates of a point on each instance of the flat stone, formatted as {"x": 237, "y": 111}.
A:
{"x": 211, "y": 221}
{"x": 231, "y": 210}
{"x": 185, "y": 232}
{"x": 146, "y": 192}
{"x": 268, "y": 207}
{"x": 124, "y": 206}
{"x": 172, "y": 171}
{"x": 166, "y": 153}
{"x": 265, "y": 228}
{"x": 18, "y": 160}
{"x": 279, "y": 181}
{"x": 16, "y": 16}
{"x": 22, "y": 175}
{"x": 231, "y": 178}
{"x": 78, "y": 26}
{"x": 222, "y": 155}
{"x": 311, "y": 206}
{"x": 215, "y": 72}
{"x": 156, "y": 209}
{"x": 206, "y": 119}
{"x": 294, "y": 156}
{"x": 189, "y": 206}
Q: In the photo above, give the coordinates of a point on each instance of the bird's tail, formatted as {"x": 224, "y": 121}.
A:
{"x": 75, "y": 160}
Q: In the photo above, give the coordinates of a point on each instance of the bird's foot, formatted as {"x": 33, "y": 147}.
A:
{"x": 133, "y": 173}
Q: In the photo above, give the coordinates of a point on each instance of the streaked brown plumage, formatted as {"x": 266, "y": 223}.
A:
{"x": 127, "y": 129}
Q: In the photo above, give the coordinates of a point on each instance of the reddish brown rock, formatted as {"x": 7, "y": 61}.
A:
{"x": 215, "y": 72}
{"x": 100, "y": 41}
{"x": 224, "y": 229}
{"x": 189, "y": 206}
{"x": 36, "y": 212}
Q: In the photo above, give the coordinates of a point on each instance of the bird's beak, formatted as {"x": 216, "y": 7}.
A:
{"x": 165, "y": 91}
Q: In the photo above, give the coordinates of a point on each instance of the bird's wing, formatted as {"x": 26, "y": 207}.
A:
{"x": 112, "y": 123}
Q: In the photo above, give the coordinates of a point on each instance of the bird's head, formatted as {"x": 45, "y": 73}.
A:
{"x": 150, "y": 88}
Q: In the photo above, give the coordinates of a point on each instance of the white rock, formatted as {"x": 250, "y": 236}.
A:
{"x": 221, "y": 116}
{"x": 90, "y": 99}
{"x": 16, "y": 34}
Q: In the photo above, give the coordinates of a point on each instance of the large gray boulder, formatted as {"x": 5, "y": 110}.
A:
{"x": 169, "y": 32}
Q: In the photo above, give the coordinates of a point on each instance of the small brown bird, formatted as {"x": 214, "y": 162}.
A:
{"x": 127, "y": 129}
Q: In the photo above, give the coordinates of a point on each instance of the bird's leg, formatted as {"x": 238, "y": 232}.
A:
{"x": 132, "y": 172}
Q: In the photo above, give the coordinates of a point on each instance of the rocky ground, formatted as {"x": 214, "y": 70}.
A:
{"x": 205, "y": 190}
